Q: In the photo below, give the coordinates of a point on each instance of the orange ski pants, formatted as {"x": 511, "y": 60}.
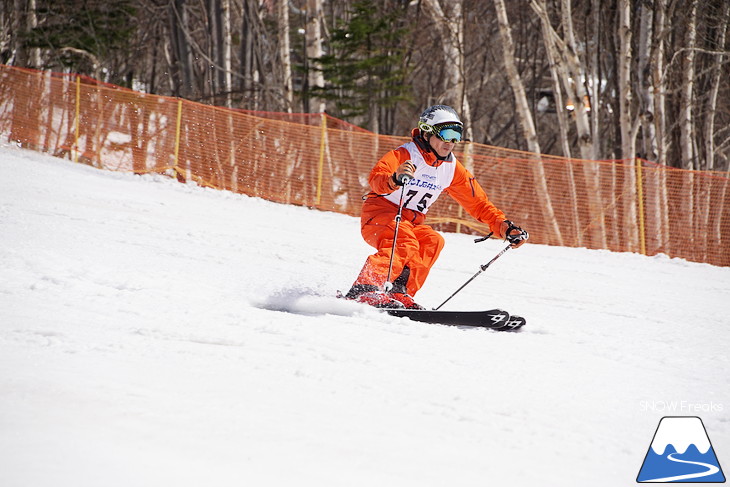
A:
{"x": 418, "y": 245}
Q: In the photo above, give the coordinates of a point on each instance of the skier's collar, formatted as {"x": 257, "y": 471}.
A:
{"x": 429, "y": 155}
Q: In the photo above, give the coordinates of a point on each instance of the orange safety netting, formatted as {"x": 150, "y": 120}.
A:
{"x": 633, "y": 205}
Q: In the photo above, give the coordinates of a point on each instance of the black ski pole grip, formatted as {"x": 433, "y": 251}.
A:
{"x": 403, "y": 179}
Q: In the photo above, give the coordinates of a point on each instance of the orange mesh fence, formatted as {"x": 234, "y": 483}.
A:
{"x": 318, "y": 161}
{"x": 306, "y": 119}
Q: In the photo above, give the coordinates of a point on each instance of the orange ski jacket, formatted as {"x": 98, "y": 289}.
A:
{"x": 463, "y": 188}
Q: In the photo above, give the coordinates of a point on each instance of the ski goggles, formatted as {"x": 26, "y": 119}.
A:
{"x": 449, "y": 133}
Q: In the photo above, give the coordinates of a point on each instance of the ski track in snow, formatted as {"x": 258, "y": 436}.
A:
{"x": 153, "y": 333}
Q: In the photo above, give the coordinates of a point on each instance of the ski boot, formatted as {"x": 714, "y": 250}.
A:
{"x": 406, "y": 300}
{"x": 372, "y": 296}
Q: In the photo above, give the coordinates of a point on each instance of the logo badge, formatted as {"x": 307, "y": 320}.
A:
{"x": 681, "y": 452}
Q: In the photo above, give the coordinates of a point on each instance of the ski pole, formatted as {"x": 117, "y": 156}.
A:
{"x": 387, "y": 286}
{"x": 482, "y": 268}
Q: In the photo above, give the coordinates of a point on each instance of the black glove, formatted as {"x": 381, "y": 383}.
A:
{"x": 404, "y": 173}
{"x": 513, "y": 234}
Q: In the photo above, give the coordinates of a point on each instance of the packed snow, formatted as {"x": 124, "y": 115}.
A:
{"x": 154, "y": 333}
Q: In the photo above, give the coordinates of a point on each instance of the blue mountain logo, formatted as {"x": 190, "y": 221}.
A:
{"x": 681, "y": 452}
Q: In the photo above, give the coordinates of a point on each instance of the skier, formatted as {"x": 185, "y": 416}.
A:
{"x": 411, "y": 178}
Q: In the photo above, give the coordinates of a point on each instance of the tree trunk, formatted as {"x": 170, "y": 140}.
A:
{"x": 524, "y": 114}
{"x": 526, "y": 122}
{"x": 451, "y": 32}
{"x": 709, "y": 132}
{"x": 181, "y": 49}
{"x": 20, "y": 55}
{"x": 711, "y": 108}
{"x": 654, "y": 230}
{"x": 576, "y": 88}
{"x": 284, "y": 54}
{"x": 628, "y": 127}
{"x": 686, "y": 122}
{"x": 554, "y": 61}
{"x": 596, "y": 78}
{"x": 31, "y": 22}
{"x": 569, "y": 70}
{"x": 214, "y": 74}
{"x": 227, "y": 50}
{"x": 658, "y": 79}
{"x": 249, "y": 70}
{"x": 559, "y": 102}
{"x": 643, "y": 85}
{"x": 658, "y": 198}
{"x": 313, "y": 35}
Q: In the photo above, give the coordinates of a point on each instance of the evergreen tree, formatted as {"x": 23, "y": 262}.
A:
{"x": 365, "y": 69}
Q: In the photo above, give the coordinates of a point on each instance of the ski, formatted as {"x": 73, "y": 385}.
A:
{"x": 495, "y": 319}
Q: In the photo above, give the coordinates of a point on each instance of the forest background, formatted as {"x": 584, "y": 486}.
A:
{"x": 589, "y": 79}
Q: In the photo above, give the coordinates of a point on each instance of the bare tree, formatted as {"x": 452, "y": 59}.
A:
{"x": 451, "y": 33}
{"x": 570, "y": 68}
{"x": 24, "y": 19}
{"x": 284, "y": 53}
{"x": 643, "y": 84}
{"x": 658, "y": 77}
{"x": 315, "y": 50}
{"x": 181, "y": 49}
{"x": 227, "y": 50}
{"x": 571, "y": 73}
{"x": 686, "y": 122}
{"x": 594, "y": 46}
{"x": 248, "y": 68}
{"x": 219, "y": 50}
{"x": 526, "y": 122}
{"x": 629, "y": 124}
{"x": 716, "y": 80}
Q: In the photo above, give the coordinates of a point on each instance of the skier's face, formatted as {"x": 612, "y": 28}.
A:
{"x": 442, "y": 148}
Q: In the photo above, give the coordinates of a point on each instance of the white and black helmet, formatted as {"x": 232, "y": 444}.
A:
{"x": 438, "y": 114}
{"x": 441, "y": 121}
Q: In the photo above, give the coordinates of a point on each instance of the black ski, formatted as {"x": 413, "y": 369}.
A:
{"x": 495, "y": 319}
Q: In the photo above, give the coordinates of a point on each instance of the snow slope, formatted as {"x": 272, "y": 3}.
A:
{"x": 153, "y": 333}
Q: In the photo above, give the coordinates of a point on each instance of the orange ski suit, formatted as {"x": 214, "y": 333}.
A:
{"x": 418, "y": 244}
